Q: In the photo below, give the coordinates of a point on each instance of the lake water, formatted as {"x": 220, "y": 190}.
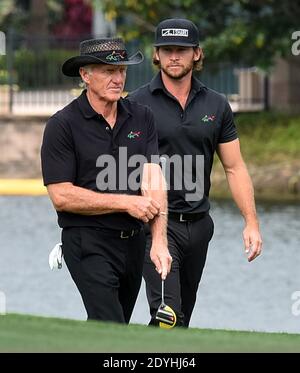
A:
{"x": 233, "y": 293}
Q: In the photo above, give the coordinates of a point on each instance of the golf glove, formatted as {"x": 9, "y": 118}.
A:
{"x": 55, "y": 257}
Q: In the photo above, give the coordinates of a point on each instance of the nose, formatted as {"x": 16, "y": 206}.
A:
{"x": 118, "y": 76}
{"x": 174, "y": 56}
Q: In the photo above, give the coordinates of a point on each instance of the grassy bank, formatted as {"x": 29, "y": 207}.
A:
{"x": 270, "y": 144}
{"x": 269, "y": 137}
{"x": 22, "y": 333}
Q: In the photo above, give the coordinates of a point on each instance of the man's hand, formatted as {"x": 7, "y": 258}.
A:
{"x": 143, "y": 208}
{"x": 253, "y": 241}
{"x": 162, "y": 259}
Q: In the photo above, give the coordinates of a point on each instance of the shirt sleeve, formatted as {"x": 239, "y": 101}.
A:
{"x": 152, "y": 153}
{"x": 228, "y": 129}
{"x": 57, "y": 153}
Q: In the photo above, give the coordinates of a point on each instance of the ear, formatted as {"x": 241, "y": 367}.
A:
{"x": 85, "y": 75}
{"x": 156, "y": 54}
{"x": 197, "y": 53}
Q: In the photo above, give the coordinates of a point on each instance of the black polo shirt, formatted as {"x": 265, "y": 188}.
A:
{"x": 75, "y": 138}
{"x": 206, "y": 121}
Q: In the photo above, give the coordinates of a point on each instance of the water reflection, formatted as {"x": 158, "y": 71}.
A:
{"x": 233, "y": 293}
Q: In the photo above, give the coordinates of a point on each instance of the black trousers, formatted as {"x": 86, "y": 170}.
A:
{"x": 106, "y": 269}
{"x": 188, "y": 244}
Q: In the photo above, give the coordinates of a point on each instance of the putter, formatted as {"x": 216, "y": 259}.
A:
{"x": 165, "y": 315}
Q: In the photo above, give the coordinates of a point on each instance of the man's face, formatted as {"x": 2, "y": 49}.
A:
{"x": 176, "y": 62}
{"x": 105, "y": 81}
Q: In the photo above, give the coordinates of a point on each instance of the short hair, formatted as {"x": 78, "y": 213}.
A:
{"x": 89, "y": 69}
{"x": 198, "y": 65}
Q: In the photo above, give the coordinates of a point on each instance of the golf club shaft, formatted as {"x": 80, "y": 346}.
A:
{"x": 162, "y": 291}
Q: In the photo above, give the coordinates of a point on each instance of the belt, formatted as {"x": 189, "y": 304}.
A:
{"x": 118, "y": 233}
{"x": 186, "y": 216}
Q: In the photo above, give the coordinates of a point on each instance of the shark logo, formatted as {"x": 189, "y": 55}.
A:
{"x": 208, "y": 118}
{"x": 114, "y": 56}
{"x": 134, "y": 134}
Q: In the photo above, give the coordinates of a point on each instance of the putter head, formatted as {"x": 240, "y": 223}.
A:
{"x": 55, "y": 257}
{"x": 166, "y": 317}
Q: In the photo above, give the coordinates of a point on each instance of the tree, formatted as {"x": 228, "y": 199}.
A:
{"x": 12, "y": 14}
{"x": 241, "y": 31}
{"x": 76, "y": 19}
{"x": 38, "y": 17}
{"x": 247, "y": 31}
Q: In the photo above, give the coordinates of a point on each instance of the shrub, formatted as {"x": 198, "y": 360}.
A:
{"x": 36, "y": 69}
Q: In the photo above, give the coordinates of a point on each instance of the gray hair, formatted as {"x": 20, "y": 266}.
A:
{"x": 89, "y": 70}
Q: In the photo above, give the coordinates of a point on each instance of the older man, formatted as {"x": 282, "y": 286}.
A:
{"x": 88, "y": 154}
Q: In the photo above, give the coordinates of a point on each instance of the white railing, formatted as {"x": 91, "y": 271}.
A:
{"x": 250, "y": 97}
{"x": 41, "y": 102}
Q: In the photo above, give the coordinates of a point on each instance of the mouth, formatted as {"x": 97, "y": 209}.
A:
{"x": 116, "y": 89}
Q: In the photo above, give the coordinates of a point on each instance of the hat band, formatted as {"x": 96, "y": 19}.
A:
{"x": 110, "y": 56}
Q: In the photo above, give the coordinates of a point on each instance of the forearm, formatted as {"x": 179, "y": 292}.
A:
{"x": 159, "y": 253}
{"x": 82, "y": 201}
{"x": 158, "y": 224}
{"x": 241, "y": 187}
{"x": 154, "y": 186}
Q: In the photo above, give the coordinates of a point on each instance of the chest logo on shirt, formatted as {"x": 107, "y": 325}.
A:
{"x": 134, "y": 134}
{"x": 208, "y": 118}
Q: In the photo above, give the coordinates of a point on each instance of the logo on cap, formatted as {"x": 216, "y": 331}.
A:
{"x": 114, "y": 56}
{"x": 174, "y": 32}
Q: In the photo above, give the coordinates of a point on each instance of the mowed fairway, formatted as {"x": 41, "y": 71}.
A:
{"x": 24, "y": 333}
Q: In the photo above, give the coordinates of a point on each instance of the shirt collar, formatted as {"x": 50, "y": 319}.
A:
{"x": 88, "y": 112}
{"x": 197, "y": 86}
{"x": 157, "y": 84}
{"x": 85, "y": 107}
{"x": 123, "y": 108}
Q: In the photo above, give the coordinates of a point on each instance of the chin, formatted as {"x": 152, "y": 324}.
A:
{"x": 113, "y": 97}
{"x": 176, "y": 76}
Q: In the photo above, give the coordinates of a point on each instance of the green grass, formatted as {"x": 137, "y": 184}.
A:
{"x": 270, "y": 145}
{"x": 269, "y": 137}
{"x": 25, "y": 333}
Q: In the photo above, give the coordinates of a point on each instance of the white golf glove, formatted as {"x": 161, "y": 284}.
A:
{"x": 55, "y": 257}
